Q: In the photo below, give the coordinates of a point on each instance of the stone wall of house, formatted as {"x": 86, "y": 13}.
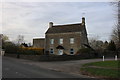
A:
{"x": 84, "y": 39}
{"x": 38, "y": 42}
{"x": 79, "y": 39}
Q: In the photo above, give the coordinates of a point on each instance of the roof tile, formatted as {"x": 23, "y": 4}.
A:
{"x": 65, "y": 28}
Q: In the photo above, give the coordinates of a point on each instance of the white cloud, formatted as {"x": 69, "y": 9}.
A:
{"x": 60, "y": 0}
{"x": 0, "y": 17}
{"x": 31, "y": 19}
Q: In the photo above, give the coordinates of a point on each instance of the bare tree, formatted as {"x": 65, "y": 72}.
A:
{"x": 115, "y": 35}
{"x": 116, "y": 31}
{"x": 95, "y": 43}
{"x": 20, "y": 39}
{"x": 118, "y": 27}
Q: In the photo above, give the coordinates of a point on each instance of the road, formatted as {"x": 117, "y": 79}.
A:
{"x": 26, "y": 69}
{"x": 13, "y": 68}
{"x": 0, "y": 67}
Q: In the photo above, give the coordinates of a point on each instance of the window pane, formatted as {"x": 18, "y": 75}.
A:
{"x": 51, "y": 41}
{"x": 71, "y": 40}
{"x": 61, "y": 41}
{"x": 51, "y": 51}
{"x": 71, "y": 51}
{"x": 60, "y": 52}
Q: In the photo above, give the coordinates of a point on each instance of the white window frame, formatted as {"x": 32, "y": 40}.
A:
{"x": 51, "y": 50}
{"x": 72, "y": 40}
{"x": 71, "y": 51}
{"x": 60, "y": 52}
{"x": 51, "y": 41}
{"x": 61, "y": 41}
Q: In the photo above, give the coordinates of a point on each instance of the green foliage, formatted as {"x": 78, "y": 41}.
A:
{"x": 111, "y": 46}
{"x": 10, "y": 47}
{"x": 113, "y": 64}
{"x": 31, "y": 52}
{"x": 4, "y": 38}
{"x": 84, "y": 50}
{"x": 102, "y": 72}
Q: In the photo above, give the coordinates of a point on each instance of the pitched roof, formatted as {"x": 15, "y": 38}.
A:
{"x": 38, "y": 38}
{"x": 65, "y": 28}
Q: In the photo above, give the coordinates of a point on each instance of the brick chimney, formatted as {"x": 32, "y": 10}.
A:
{"x": 83, "y": 20}
{"x": 50, "y": 24}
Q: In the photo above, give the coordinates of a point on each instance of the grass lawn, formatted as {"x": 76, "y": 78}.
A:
{"x": 106, "y": 69}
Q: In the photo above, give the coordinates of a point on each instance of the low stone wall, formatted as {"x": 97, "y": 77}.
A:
{"x": 50, "y": 57}
{"x": 61, "y": 57}
{"x": 28, "y": 57}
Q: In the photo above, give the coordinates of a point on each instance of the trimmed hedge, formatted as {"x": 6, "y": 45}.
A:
{"x": 30, "y": 52}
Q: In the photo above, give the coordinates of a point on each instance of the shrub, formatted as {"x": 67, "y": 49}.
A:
{"x": 111, "y": 46}
{"x": 32, "y": 51}
{"x": 10, "y": 47}
{"x": 84, "y": 50}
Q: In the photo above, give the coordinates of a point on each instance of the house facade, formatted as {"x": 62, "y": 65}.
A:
{"x": 65, "y": 39}
{"x": 38, "y": 42}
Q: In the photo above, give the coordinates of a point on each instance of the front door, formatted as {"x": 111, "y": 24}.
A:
{"x": 60, "y": 52}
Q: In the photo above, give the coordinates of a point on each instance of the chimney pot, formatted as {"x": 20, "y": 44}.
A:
{"x": 50, "y": 24}
{"x": 83, "y": 20}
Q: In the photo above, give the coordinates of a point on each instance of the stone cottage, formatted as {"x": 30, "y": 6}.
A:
{"x": 38, "y": 42}
{"x": 65, "y": 39}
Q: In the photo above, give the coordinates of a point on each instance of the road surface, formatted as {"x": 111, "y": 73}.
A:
{"x": 22, "y": 69}
{"x": 13, "y": 68}
{"x": 0, "y": 67}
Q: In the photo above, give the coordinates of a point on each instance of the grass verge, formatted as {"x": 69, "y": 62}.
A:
{"x": 106, "y": 69}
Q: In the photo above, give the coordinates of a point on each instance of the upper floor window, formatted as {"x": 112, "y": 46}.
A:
{"x": 51, "y": 41}
{"x": 61, "y": 41}
{"x": 71, "y": 40}
{"x": 71, "y": 51}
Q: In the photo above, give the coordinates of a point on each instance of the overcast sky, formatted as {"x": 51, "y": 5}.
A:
{"x": 31, "y": 19}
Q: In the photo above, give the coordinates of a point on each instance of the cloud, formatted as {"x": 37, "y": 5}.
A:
{"x": 31, "y": 19}
{"x": 0, "y": 18}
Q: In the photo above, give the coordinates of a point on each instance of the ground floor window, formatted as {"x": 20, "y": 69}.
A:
{"x": 51, "y": 51}
{"x": 71, "y": 51}
{"x": 60, "y": 52}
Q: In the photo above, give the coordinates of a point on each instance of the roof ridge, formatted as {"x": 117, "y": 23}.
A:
{"x": 67, "y": 24}
{"x": 38, "y": 38}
